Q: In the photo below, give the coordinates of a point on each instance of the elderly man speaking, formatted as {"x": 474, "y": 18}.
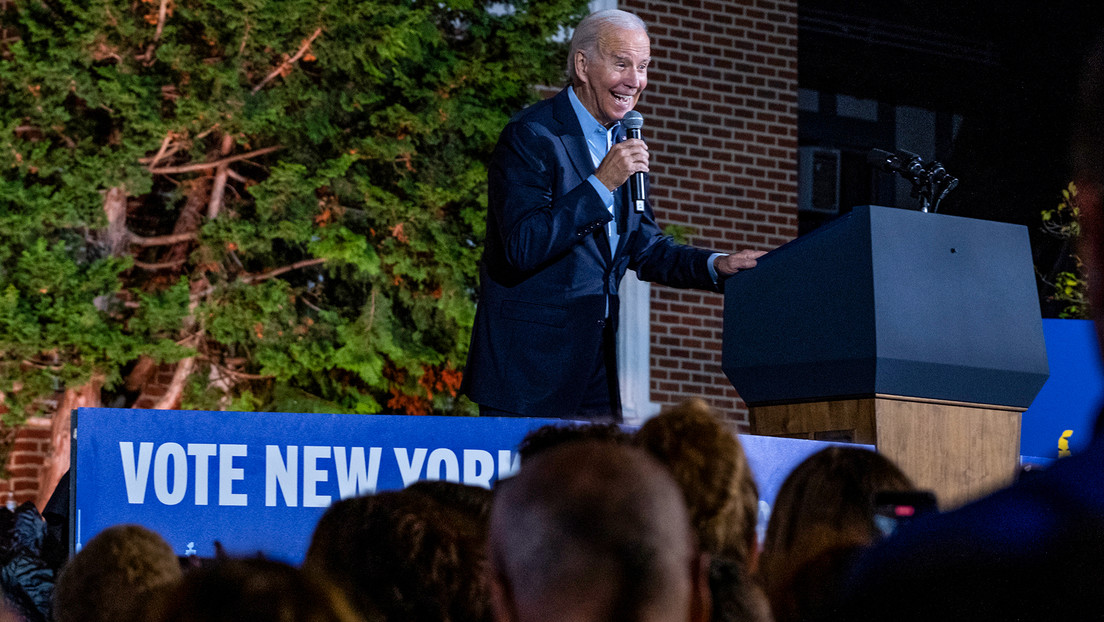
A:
{"x": 561, "y": 232}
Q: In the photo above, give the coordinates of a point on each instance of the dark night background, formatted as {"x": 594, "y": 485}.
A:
{"x": 1009, "y": 69}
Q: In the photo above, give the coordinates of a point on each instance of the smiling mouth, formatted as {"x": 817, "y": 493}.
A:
{"x": 623, "y": 99}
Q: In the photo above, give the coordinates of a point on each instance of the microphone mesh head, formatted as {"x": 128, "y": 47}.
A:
{"x": 633, "y": 120}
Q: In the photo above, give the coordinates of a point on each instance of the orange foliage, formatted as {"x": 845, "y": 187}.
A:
{"x": 436, "y": 380}
{"x": 408, "y": 404}
{"x": 433, "y": 380}
{"x": 399, "y": 234}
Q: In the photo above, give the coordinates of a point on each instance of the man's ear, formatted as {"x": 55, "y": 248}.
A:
{"x": 701, "y": 597}
{"x": 580, "y": 65}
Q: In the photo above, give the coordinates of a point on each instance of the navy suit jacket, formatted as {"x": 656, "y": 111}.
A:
{"x": 547, "y": 269}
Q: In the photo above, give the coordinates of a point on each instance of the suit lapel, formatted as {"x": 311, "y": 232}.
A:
{"x": 575, "y": 146}
{"x": 571, "y": 135}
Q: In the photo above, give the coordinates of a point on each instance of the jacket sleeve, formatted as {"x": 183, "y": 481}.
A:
{"x": 537, "y": 204}
{"x": 657, "y": 257}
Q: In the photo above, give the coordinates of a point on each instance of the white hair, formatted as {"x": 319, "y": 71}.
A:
{"x": 587, "y": 33}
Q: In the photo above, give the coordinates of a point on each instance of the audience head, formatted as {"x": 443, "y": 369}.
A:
{"x": 594, "y": 531}
{"x": 114, "y": 575}
{"x": 823, "y": 511}
{"x": 258, "y": 590}
{"x": 471, "y": 501}
{"x": 556, "y": 434}
{"x": 405, "y": 555}
{"x": 737, "y": 596}
{"x": 709, "y": 465}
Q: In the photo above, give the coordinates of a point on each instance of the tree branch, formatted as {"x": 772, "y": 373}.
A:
{"x": 221, "y": 173}
{"x": 245, "y": 37}
{"x": 371, "y": 311}
{"x": 202, "y": 166}
{"x": 46, "y": 366}
{"x": 150, "y": 161}
{"x": 204, "y": 133}
{"x": 161, "y": 152}
{"x": 162, "y": 13}
{"x": 159, "y": 266}
{"x": 239, "y": 375}
{"x": 160, "y": 240}
{"x": 171, "y": 398}
{"x": 284, "y": 66}
{"x": 114, "y": 207}
{"x": 264, "y": 276}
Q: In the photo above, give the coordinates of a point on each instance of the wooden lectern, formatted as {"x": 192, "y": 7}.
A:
{"x": 918, "y": 333}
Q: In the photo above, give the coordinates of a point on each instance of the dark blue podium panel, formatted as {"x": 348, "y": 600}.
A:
{"x": 889, "y": 301}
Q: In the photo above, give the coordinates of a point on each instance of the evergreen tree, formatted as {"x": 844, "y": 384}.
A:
{"x": 286, "y": 196}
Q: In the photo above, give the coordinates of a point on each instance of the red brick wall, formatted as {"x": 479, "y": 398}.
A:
{"x": 721, "y": 124}
{"x": 32, "y": 446}
{"x": 29, "y": 461}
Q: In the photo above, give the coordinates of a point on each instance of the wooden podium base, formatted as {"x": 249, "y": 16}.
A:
{"x": 959, "y": 451}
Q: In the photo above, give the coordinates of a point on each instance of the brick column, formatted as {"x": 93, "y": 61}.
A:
{"x": 721, "y": 123}
{"x": 26, "y": 462}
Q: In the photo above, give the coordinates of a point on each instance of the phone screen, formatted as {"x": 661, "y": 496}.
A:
{"x": 895, "y": 508}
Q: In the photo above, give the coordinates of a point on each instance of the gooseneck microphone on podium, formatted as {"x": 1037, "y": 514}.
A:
{"x": 633, "y": 121}
{"x": 907, "y": 164}
{"x": 930, "y": 183}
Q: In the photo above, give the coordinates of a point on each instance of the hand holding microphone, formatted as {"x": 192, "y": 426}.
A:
{"x": 627, "y": 159}
{"x": 633, "y": 121}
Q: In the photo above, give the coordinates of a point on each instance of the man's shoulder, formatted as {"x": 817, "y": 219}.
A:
{"x": 541, "y": 113}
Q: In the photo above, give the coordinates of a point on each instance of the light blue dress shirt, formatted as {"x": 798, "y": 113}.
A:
{"x": 599, "y": 139}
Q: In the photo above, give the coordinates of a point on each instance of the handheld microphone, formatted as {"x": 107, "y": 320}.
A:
{"x": 633, "y": 121}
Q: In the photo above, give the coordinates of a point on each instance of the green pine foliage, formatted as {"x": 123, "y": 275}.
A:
{"x": 319, "y": 164}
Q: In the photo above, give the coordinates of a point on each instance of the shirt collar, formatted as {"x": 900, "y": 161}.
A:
{"x": 595, "y": 133}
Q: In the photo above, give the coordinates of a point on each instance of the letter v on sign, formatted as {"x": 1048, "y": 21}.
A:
{"x": 136, "y": 475}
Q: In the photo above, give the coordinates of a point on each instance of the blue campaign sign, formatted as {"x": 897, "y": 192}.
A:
{"x": 1072, "y": 396}
{"x": 259, "y": 482}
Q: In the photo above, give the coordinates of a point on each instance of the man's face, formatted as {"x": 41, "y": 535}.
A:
{"x": 610, "y": 83}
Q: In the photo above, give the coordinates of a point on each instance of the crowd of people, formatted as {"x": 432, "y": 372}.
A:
{"x": 599, "y": 523}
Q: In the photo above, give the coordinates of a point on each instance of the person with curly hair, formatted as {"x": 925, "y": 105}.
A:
{"x": 710, "y": 466}
{"x": 406, "y": 555}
